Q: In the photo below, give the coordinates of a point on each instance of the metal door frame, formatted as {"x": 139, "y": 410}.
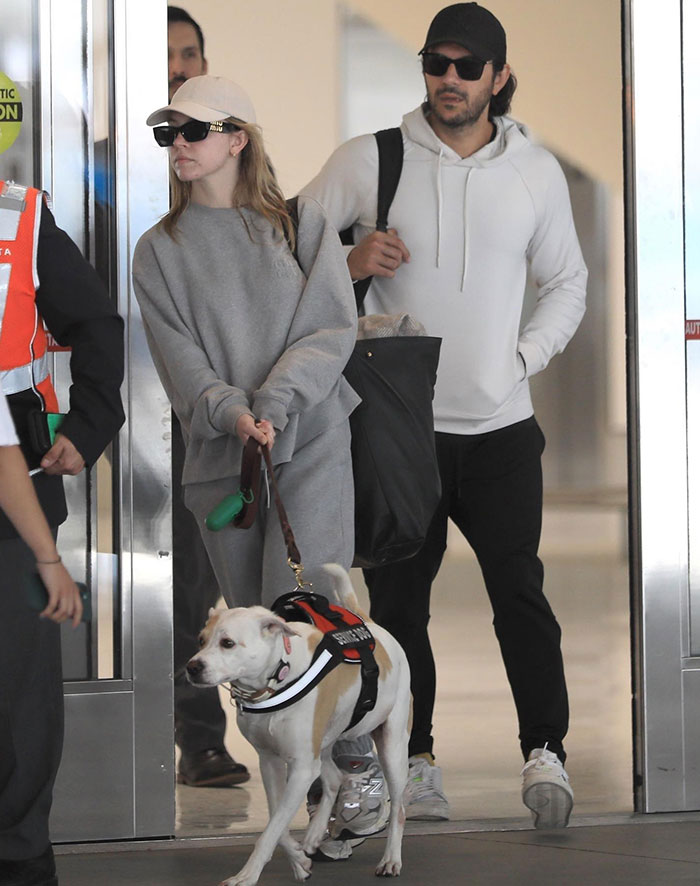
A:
{"x": 117, "y": 777}
{"x": 666, "y": 673}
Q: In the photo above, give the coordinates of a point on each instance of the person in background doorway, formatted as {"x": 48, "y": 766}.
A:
{"x": 477, "y": 205}
{"x": 185, "y": 49}
{"x": 44, "y": 279}
{"x": 200, "y": 722}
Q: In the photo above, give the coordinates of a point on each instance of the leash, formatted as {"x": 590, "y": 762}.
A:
{"x": 251, "y": 469}
{"x": 346, "y": 638}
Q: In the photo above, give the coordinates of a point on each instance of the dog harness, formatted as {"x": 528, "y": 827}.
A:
{"x": 346, "y": 639}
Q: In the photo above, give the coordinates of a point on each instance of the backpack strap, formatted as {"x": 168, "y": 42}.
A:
{"x": 390, "y": 150}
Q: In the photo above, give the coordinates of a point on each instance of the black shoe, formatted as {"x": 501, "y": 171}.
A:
{"x": 39, "y": 871}
{"x": 213, "y": 768}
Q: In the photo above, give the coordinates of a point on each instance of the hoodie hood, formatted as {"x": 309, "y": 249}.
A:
{"x": 510, "y": 137}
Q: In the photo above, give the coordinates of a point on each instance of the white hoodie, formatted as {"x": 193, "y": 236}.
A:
{"x": 472, "y": 225}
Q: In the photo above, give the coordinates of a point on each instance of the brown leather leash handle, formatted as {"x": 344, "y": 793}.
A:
{"x": 250, "y": 487}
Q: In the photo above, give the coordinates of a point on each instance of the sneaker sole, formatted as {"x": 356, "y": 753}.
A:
{"x": 550, "y": 805}
{"x": 427, "y": 816}
{"x": 220, "y": 781}
{"x": 347, "y": 834}
{"x": 321, "y": 856}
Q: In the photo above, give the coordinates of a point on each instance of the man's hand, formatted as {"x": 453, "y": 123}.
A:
{"x": 378, "y": 255}
{"x": 62, "y": 458}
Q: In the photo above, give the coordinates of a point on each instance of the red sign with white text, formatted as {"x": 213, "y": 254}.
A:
{"x": 692, "y": 330}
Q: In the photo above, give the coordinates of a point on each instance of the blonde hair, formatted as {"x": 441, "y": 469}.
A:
{"x": 256, "y": 188}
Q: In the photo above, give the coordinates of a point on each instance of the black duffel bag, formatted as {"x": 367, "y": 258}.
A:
{"x": 397, "y": 482}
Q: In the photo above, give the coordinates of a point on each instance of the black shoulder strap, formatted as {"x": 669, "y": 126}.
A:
{"x": 293, "y": 210}
{"x": 390, "y": 150}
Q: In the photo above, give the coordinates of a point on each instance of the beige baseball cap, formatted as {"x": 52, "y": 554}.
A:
{"x": 207, "y": 98}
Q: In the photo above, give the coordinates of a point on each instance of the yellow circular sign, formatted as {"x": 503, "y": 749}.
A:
{"x": 10, "y": 112}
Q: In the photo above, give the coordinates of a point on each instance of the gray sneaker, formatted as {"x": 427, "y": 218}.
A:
{"x": 424, "y": 799}
{"x": 546, "y": 790}
{"x": 362, "y": 806}
{"x": 331, "y": 850}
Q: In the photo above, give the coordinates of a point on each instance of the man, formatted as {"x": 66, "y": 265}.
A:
{"x": 185, "y": 49}
{"x": 200, "y": 722}
{"x": 477, "y": 203}
{"x": 43, "y": 279}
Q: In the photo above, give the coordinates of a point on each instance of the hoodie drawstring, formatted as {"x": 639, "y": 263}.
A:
{"x": 439, "y": 197}
{"x": 465, "y": 257}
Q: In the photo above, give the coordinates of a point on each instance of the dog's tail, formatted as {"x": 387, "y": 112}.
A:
{"x": 343, "y": 588}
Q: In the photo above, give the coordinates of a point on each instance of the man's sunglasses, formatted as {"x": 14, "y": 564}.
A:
{"x": 468, "y": 67}
{"x": 193, "y": 131}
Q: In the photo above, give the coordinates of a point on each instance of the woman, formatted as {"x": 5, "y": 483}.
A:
{"x": 248, "y": 340}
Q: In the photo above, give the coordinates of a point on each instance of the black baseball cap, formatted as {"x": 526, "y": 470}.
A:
{"x": 471, "y": 26}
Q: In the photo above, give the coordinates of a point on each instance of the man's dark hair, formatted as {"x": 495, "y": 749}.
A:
{"x": 177, "y": 14}
{"x": 500, "y": 103}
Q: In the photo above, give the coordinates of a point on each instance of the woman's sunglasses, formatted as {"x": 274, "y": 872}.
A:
{"x": 193, "y": 131}
{"x": 468, "y": 67}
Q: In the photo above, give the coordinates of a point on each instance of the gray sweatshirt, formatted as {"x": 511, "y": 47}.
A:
{"x": 235, "y": 327}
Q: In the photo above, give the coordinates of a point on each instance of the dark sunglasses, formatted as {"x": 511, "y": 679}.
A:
{"x": 468, "y": 67}
{"x": 193, "y": 131}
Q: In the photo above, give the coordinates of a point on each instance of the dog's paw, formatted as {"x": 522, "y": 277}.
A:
{"x": 239, "y": 880}
{"x": 301, "y": 867}
{"x": 388, "y": 868}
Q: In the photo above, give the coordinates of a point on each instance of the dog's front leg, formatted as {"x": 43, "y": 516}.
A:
{"x": 300, "y": 774}
{"x": 331, "y": 778}
{"x": 274, "y": 775}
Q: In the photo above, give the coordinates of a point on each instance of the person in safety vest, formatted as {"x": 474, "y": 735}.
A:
{"x": 47, "y": 289}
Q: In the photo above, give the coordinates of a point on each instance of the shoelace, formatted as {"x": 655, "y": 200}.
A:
{"x": 421, "y": 784}
{"x": 543, "y": 761}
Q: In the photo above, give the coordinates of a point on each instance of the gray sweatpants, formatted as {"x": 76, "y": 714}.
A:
{"x": 317, "y": 491}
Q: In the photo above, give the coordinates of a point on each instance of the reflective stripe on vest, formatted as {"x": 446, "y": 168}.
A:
{"x": 23, "y": 377}
{"x": 24, "y": 363}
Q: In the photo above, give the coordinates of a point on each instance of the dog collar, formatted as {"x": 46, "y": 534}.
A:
{"x": 281, "y": 673}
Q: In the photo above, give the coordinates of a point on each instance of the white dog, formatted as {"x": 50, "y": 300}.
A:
{"x": 248, "y": 647}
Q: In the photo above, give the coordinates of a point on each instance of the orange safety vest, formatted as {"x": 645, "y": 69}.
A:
{"x": 24, "y": 356}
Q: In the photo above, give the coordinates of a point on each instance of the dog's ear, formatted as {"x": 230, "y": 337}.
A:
{"x": 274, "y": 625}
{"x": 212, "y": 612}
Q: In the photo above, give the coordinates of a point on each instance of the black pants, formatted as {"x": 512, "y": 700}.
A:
{"x": 31, "y": 710}
{"x": 492, "y": 490}
{"x": 200, "y": 722}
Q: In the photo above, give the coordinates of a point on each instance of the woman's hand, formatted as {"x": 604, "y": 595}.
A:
{"x": 262, "y": 431}
{"x": 64, "y": 596}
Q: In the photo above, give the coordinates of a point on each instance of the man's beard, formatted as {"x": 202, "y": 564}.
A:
{"x": 471, "y": 113}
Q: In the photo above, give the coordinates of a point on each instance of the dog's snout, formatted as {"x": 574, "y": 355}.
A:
{"x": 194, "y": 668}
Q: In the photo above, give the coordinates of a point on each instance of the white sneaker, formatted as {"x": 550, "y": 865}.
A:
{"x": 546, "y": 790}
{"x": 362, "y": 807}
{"x": 424, "y": 799}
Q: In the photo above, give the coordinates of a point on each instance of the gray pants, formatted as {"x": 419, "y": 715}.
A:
{"x": 317, "y": 491}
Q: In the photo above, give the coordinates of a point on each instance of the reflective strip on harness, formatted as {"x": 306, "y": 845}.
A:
{"x": 22, "y": 378}
{"x": 294, "y": 691}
